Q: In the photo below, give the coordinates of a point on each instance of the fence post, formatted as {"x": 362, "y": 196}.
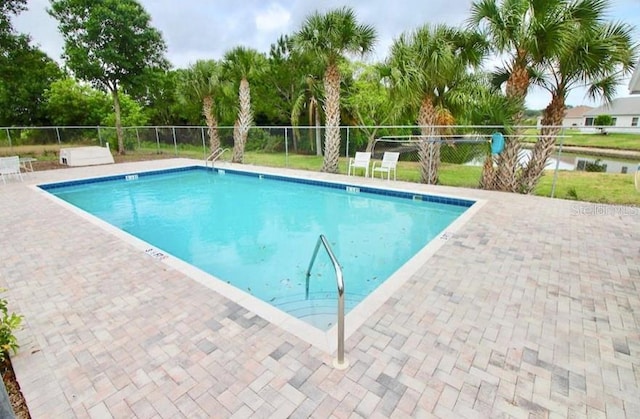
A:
{"x": 157, "y": 141}
{"x": 429, "y": 158}
{"x": 138, "y": 137}
{"x": 99, "y": 135}
{"x": 9, "y": 138}
{"x": 175, "y": 144}
{"x": 432, "y": 151}
{"x": 555, "y": 173}
{"x": 286, "y": 147}
{"x": 204, "y": 146}
{"x": 58, "y": 135}
{"x": 347, "y": 148}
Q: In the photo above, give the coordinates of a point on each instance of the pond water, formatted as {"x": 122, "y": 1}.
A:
{"x": 570, "y": 161}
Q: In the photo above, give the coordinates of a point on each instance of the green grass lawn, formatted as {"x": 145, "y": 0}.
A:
{"x": 592, "y": 187}
{"x": 583, "y": 186}
{"x": 611, "y": 140}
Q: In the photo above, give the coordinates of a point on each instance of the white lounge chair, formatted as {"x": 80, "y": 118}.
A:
{"x": 10, "y": 166}
{"x": 360, "y": 161}
{"x": 388, "y": 163}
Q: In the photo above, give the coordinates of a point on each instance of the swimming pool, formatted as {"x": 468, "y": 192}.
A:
{"x": 257, "y": 232}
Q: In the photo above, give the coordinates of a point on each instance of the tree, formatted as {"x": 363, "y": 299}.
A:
{"x": 369, "y": 100}
{"x": 25, "y": 74}
{"x": 277, "y": 87}
{"x": 110, "y": 44}
{"x": 591, "y": 51}
{"x": 133, "y": 115}
{"x": 310, "y": 99}
{"x": 203, "y": 83}
{"x": 241, "y": 64}
{"x": 512, "y": 27}
{"x": 290, "y": 89}
{"x": 161, "y": 99}
{"x": 8, "y": 8}
{"x": 488, "y": 106}
{"x": 72, "y": 104}
{"x": 429, "y": 74}
{"x": 535, "y": 34}
{"x": 328, "y": 37}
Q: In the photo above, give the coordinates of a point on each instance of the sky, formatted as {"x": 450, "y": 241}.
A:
{"x": 205, "y": 29}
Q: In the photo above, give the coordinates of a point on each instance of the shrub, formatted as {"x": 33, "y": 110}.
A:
{"x": 8, "y": 323}
{"x": 596, "y": 166}
{"x": 261, "y": 140}
{"x": 603, "y": 120}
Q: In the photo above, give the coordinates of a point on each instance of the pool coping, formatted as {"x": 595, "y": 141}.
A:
{"x": 326, "y": 341}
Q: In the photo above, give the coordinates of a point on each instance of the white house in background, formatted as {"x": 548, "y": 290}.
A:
{"x": 574, "y": 117}
{"x": 634, "y": 84}
{"x": 625, "y": 112}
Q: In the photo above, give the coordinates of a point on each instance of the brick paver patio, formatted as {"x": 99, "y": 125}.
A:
{"x": 531, "y": 309}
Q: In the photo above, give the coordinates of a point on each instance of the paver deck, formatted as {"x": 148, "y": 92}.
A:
{"x": 532, "y": 309}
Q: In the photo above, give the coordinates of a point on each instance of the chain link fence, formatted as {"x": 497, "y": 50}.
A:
{"x": 462, "y": 150}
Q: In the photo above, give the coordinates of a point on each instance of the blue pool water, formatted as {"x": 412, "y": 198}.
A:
{"x": 257, "y": 232}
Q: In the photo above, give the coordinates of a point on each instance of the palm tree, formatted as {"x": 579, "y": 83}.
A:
{"x": 535, "y": 34}
{"x": 309, "y": 97}
{"x": 241, "y": 64}
{"x": 329, "y": 37}
{"x": 510, "y": 27}
{"x": 595, "y": 53}
{"x": 202, "y": 81}
{"x": 489, "y": 107}
{"x": 428, "y": 72}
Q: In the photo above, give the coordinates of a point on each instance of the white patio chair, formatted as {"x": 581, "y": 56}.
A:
{"x": 10, "y": 166}
{"x": 388, "y": 163}
{"x": 360, "y": 161}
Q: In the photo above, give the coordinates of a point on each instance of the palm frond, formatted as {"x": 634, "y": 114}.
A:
{"x": 604, "y": 89}
{"x": 331, "y": 35}
{"x": 242, "y": 62}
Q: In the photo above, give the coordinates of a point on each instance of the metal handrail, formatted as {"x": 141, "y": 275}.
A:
{"x": 340, "y": 363}
{"x": 217, "y": 153}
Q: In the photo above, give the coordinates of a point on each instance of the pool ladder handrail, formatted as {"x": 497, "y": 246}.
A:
{"x": 217, "y": 153}
{"x": 339, "y": 362}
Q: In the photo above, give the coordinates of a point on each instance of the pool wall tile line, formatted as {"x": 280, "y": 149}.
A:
{"x": 363, "y": 189}
{"x": 124, "y": 176}
{"x": 333, "y": 185}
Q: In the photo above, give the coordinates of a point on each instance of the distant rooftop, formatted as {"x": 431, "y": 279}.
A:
{"x": 577, "y": 112}
{"x": 621, "y": 106}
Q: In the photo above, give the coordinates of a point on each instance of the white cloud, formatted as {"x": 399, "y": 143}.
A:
{"x": 272, "y": 19}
